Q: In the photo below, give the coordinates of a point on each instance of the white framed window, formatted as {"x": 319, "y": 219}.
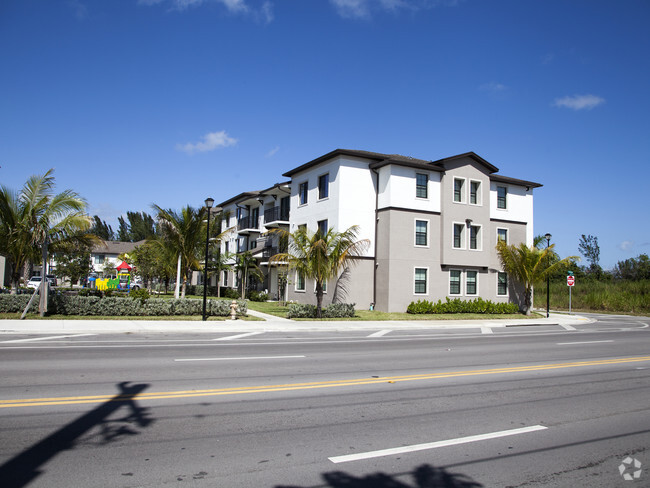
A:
{"x": 475, "y": 237}
{"x": 502, "y": 197}
{"x": 324, "y": 286}
{"x": 324, "y": 186}
{"x": 502, "y": 235}
{"x": 502, "y": 284}
{"x": 421, "y": 185}
{"x": 475, "y": 197}
{"x": 303, "y": 193}
{"x": 322, "y": 227}
{"x": 300, "y": 281}
{"x": 459, "y": 190}
{"x": 99, "y": 259}
{"x": 459, "y": 236}
{"x": 471, "y": 282}
{"x": 225, "y": 278}
{"x": 455, "y": 281}
{"x": 421, "y": 233}
{"x": 420, "y": 281}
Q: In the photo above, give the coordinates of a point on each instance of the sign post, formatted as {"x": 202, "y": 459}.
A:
{"x": 570, "y": 282}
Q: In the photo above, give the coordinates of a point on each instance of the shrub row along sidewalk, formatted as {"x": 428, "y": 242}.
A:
{"x": 118, "y": 306}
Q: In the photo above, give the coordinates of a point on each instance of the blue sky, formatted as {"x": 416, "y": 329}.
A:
{"x": 135, "y": 102}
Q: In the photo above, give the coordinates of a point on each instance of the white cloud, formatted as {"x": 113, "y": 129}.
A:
{"x": 210, "y": 142}
{"x": 360, "y": 9}
{"x": 493, "y": 87}
{"x": 79, "y": 9}
{"x": 579, "y": 102}
{"x": 272, "y": 152}
{"x": 264, "y": 13}
{"x": 626, "y": 245}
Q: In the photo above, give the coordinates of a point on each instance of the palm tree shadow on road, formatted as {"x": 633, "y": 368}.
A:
{"x": 26, "y": 466}
{"x": 424, "y": 476}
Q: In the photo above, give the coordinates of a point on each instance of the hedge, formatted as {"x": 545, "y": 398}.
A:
{"x": 457, "y": 305}
{"x": 334, "y": 311}
{"x": 121, "y": 307}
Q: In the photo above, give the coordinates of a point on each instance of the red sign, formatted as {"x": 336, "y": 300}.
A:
{"x": 570, "y": 280}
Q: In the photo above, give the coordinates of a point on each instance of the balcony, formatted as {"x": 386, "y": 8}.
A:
{"x": 249, "y": 224}
{"x": 276, "y": 216}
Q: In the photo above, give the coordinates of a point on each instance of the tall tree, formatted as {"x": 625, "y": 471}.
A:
{"x": 588, "y": 247}
{"x": 74, "y": 263}
{"x": 35, "y": 222}
{"x": 633, "y": 269}
{"x": 529, "y": 266}
{"x": 321, "y": 257}
{"x": 101, "y": 229}
{"x": 184, "y": 233}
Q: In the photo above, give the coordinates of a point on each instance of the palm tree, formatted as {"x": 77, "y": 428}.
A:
{"x": 35, "y": 222}
{"x": 219, "y": 263}
{"x": 529, "y": 266}
{"x": 184, "y": 233}
{"x": 247, "y": 266}
{"x": 321, "y": 256}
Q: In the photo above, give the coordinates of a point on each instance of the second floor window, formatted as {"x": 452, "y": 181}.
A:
{"x": 458, "y": 236}
{"x": 323, "y": 186}
{"x": 474, "y": 237}
{"x": 458, "y": 190}
{"x": 421, "y": 185}
{"x": 421, "y": 233}
{"x": 302, "y": 192}
{"x": 475, "y": 192}
{"x": 502, "y": 197}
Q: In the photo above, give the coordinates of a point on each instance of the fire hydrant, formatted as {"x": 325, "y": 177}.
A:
{"x": 233, "y": 310}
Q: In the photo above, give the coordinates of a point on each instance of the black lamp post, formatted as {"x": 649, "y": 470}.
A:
{"x": 548, "y": 278}
{"x": 208, "y": 204}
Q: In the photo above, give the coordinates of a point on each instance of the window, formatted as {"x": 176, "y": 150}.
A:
{"x": 421, "y": 232}
{"x": 475, "y": 192}
{"x": 471, "y": 278}
{"x": 474, "y": 237}
{"x": 420, "y": 286}
{"x": 502, "y": 283}
{"x": 454, "y": 282}
{"x": 421, "y": 185}
{"x": 255, "y": 218}
{"x": 225, "y": 278}
{"x": 323, "y": 186}
{"x": 458, "y": 236}
{"x": 324, "y": 286}
{"x": 322, "y": 227}
{"x": 302, "y": 227}
{"x": 502, "y": 197}
{"x": 285, "y": 206}
{"x": 502, "y": 235}
{"x": 300, "y": 281}
{"x": 302, "y": 192}
{"x": 459, "y": 196}
{"x": 99, "y": 259}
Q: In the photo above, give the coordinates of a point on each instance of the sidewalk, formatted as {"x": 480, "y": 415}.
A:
{"x": 270, "y": 324}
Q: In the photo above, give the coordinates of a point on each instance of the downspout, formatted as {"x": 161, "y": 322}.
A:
{"x": 375, "y": 263}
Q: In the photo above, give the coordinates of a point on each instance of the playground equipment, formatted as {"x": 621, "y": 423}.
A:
{"x": 122, "y": 281}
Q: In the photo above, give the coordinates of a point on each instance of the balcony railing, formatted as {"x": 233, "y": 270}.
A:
{"x": 248, "y": 223}
{"x": 276, "y": 214}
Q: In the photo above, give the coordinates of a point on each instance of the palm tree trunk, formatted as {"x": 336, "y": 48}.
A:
{"x": 319, "y": 299}
{"x": 528, "y": 301}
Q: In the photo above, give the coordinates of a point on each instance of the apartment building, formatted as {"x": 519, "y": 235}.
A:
{"x": 432, "y": 225}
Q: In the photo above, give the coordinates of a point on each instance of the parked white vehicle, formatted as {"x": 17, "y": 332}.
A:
{"x": 34, "y": 282}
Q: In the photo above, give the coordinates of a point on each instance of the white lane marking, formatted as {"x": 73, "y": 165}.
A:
{"x": 241, "y": 358}
{"x": 46, "y": 338}
{"x": 434, "y": 445}
{"x": 381, "y": 333}
{"x": 584, "y": 342}
{"x": 486, "y": 330}
{"x": 644, "y": 326}
{"x": 567, "y": 327}
{"x": 238, "y": 336}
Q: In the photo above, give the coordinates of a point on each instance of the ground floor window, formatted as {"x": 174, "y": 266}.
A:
{"x": 471, "y": 278}
{"x": 300, "y": 281}
{"x": 502, "y": 283}
{"x": 454, "y": 282}
{"x": 420, "y": 286}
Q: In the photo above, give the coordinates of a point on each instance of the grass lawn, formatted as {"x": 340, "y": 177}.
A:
{"x": 274, "y": 308}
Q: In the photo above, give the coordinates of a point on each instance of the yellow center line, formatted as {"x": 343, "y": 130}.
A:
{"x": 29, "y": 402}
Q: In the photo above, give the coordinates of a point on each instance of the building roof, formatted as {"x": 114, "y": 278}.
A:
{"x": 115, "y": 247}
{"x": 253, "y": 194}
{"x": 380, "y": 160}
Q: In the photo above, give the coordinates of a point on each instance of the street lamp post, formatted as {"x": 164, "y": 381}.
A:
{"x": 548, "y": 278}
{"x": 208, "y": 204}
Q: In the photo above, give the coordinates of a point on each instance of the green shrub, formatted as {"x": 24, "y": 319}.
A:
{"x": 231, "y": 293}
{"x": 306, "y": 311}
{"x": 140, "y": 293}
{"x": 258, "y": 296}
{"x": 456, "y": 305}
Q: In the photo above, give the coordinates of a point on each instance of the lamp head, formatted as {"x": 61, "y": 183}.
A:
{"x": 209, "y": 202}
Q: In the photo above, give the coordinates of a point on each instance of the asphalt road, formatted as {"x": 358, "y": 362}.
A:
{"x": 520, "y": 407}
